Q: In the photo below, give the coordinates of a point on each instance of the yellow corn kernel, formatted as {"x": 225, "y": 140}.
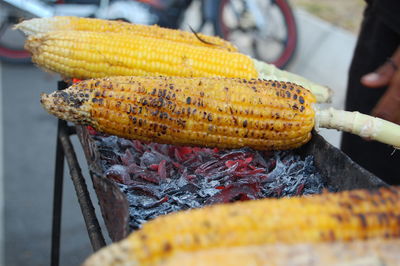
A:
{"x": 344, "y": 216}
{"x": 214, "y": 112}
{"x": 69, "y": 23}
{"x": 358, "y": 252}
{"x": 137, "y": 55}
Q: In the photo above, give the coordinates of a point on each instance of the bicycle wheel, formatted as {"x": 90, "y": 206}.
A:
{"x": 264, "y": 29}
{"x": 12, "y": 43}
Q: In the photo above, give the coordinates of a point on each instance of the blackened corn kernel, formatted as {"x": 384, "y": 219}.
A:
{"x": 222, "y": 112}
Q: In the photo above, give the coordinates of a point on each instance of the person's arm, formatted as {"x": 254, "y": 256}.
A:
{"x": 388, "y": 107}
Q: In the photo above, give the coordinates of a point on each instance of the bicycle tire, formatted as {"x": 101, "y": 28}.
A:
{"x": 290, "y": 41}
{"x": 14, "y": 56}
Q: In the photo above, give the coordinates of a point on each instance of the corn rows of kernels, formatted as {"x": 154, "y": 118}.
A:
{"x": 154, "y": 31}
{"x": 343, "y": 216}
{"x": 194, "y": 116}
{"x": 135, "y": 56}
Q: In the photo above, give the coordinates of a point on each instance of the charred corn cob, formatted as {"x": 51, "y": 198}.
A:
{"x": 356, "y": 253}
{"x": 214, "y": 112}
{"x": 343, "y": 216}
{"x": 95, "y": 49}
{"x": 65, "y": 23}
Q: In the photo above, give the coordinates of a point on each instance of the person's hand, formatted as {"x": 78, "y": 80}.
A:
{"x": 388, "y": 107}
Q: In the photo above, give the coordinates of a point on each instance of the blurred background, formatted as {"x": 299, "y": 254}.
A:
{"x": 317, "y": 43}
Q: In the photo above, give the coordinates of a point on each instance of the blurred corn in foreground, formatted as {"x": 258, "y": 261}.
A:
{"x": 90, "y": 48}
{"x": 328, "y": 217}
{"x": 213, "y": 112}
{"x": 356, "y": 253}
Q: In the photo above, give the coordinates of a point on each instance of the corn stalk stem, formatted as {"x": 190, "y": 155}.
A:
{"x": 323, "y": 94}
{"x": 365, "y": 126}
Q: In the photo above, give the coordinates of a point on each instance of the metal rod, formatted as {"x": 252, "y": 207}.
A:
{"x": 88, "y": 212}
{"x": 57, "y": 199}
{"x": 57, "y": 193}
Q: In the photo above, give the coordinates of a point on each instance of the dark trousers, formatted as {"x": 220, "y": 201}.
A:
{"x": 376, "y": 42}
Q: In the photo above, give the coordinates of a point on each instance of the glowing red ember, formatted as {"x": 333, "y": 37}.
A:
{"x": 159, "y": 179}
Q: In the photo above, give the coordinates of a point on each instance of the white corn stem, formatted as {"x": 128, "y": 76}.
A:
{"x": 323, "y": 94}
{"x": 366, "y": 126}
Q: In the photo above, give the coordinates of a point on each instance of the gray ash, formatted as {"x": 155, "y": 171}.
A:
{"x": 158, "y": 179}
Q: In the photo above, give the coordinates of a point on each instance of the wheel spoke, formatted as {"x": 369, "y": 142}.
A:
{"x": 273, "y": 42}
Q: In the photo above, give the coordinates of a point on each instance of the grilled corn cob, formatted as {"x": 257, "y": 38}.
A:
{"x": 375, "y": 252}
{"x": 216, "y": 112}
{"x": 96, "y": 49}
{"x": 344, "y": 216}
{"x": 64, "y": 23}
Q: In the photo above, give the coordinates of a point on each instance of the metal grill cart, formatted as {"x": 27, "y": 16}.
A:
{"x": 339, "y": 171}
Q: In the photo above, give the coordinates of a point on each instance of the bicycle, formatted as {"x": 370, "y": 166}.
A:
{"x": 266, "y": 30}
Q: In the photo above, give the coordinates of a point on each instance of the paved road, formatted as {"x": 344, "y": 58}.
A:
{"x": 29, "y": 149}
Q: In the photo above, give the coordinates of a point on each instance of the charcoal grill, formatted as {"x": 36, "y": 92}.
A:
{"x": 338, "y": 169}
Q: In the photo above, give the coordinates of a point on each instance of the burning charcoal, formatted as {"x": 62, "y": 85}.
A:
{"x": 138, "y": 199}
{"x": 118, "y": 173}
{"x": 247, "y": 173}
{"x": 143, "y": 174}
{"x": 279, "y": 170}
{"x": 207, "y": 166}
{"x": 220, "y": 172}
{"x": 109, "y": 157}
{"x": 186, "y": 201}
{"x": 182, "y": 182}
{"x": 194, "y": 161}
{"x": 292, "y": 176}
{"x": 183, "y": 153}
{"x": 162, "y": 156}
{"x": 139, "y": 216}
{"x": 261, "y": 161}
{"x": 91, "y": 130}
{"x": 148, "y": 158}
{"x": 213, "y": 183}
{"x": 161, "y": 148}
{"x": 153, "y": 203}
{"x": 162, "y": 169}
{"x": 128, "y": 158}
{"x": 123, "y": 188}
{"x": 234, "y": 154}
{"x": 110, "y": 141}
{"x": 124, "y": 143}
{"x": 235, "y": 192}
{"x": 141, "y": 188}
{"x": 147, "y": 214}
{"x": 160, "y": 179}
{"x": 208, "y": 192}
{"x": 138, "y": 146}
